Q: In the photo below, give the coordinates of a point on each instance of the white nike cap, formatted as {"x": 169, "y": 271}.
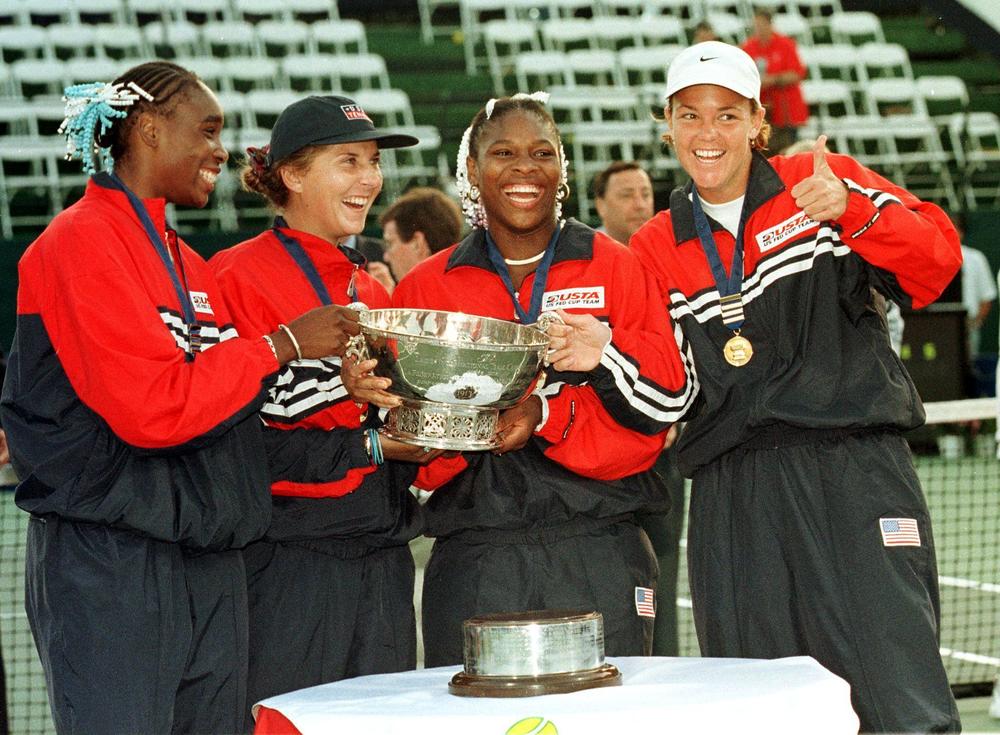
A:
{"x": 714, "y": 62}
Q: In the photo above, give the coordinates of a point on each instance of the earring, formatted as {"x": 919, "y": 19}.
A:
{"x": 474, "y": 194}
{"x": 562, "y": 193}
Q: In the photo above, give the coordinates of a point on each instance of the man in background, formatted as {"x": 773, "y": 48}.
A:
{"x": 623, "y": 195}
{"x": 417, "y": 225}
{"x": 781, "y": 75}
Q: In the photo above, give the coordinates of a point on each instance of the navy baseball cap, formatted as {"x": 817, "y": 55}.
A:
{"x": 327, "y": 120}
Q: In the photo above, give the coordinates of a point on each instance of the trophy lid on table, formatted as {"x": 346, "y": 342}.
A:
{"x": 524, "y": 654}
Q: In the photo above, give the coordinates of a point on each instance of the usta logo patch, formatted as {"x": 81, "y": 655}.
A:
{"x": 591, "y": 297}
{"x": 784, "y": 231}
{"x": 199, "y": 300}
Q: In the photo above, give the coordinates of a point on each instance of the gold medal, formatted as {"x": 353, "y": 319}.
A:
{"x": 738, "y": 350}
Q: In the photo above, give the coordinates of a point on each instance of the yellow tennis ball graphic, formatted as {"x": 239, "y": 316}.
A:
{"x": 533, "y": 726}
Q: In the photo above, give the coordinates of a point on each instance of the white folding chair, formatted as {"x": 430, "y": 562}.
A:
{"x": 818, "y": 13}
{"x": 830, "y": 61}
{"x": 565, "y": 34}
{"x": 46, "y": 12}
{"x": 28, "y": 167}
{"x": 877, "y": 60}
{"x": 794, "y": 26}
{"x": 828, "y": 98}
{"x": 728, "y": 27}
{"x": 426, "y": 10}
{"x": 81, "y": 71}
{"x": 363, "y": 71}
{"x": 35, "y": 77}
{"x": 14, "y": 13}
{"x": 101, "y": 11}
{"x": 473, "y": 15}
{"x": 386, "y": 107}
{"x": 120, "y": 42}
{"x": 263, "y": 106}
{"x": 977, "y": 136}
{"x": 593, "y": 66}
{"x": 279, "y": 38}
{"x": 141, "y": 12}
{"x": 344, "y": 36}
{"x": 173, "y": 39}
{"x": 418, "y": 164}
{"x": 895, "y": 96}
{"x": 232, "y": 38}
{"x": 618, "y": 31}
{"x": 572, "y": 106}
{"x": 246, "y": 74}
{"x": 505, "y": 40}
{"x": 22, "y": 42}
{"x": 313, "y": 73}
{"x": 202, "y": 11}
{"x": 211, "y": 70}
{"x": 567, "y": 8}
{"x": 856, "y": 27}
{"x": 540, "y": 70}
{"x": 234, "y": 107}
{"x": 738, "y": 8}
{"x": 255, "y": 11}
{"x": 593, "y": 146}
{"x": 17, "y": 118}
{"x": 659, "y": 30}
{"x": 646, "y": 70}
{"x": 311, "y": 11}
{"x": 71, "y": 41}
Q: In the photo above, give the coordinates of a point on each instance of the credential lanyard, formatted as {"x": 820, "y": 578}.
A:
{"x": 308, "y": 268}
{"x": 187, "y": 308}
{"x": 730, "y": 287}
{"x": 541, "y": 276}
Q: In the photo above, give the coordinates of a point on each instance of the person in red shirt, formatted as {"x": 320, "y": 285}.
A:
{"x": 547, "y": 520}
{"x": 330, "y": 585}
{"x": 130, "y": 406}
{"x": 782, "y": 72}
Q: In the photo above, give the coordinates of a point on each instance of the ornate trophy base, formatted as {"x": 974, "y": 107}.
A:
{"x": 471, "y": 685}
{"x": 443, "y": 425}
{"x": 530, "y": 653}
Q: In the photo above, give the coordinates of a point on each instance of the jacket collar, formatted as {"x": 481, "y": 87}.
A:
{"x": 317, "y": 246}
{"x": 100, "y": 185}
{"x": 576, "y": 242}
{"x": 763, "y": 184}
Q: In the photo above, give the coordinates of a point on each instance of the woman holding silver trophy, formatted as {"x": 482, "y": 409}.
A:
{"x": 546, "y": 519}
{"x": 331, "y": 583}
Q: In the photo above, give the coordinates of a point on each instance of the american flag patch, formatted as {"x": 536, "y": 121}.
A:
{"x": 645, "y": 602}
{"x": 354, "y": 112}
{"x": 899, "y": 532}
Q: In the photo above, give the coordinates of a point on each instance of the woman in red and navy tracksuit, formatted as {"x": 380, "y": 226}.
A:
{"x": 547, "y": 520}
{"x": 331, "y": 583}
{"x": 130, "y": 405}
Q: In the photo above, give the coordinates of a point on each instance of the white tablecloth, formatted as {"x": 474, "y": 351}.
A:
{"x": 668, "y": 695}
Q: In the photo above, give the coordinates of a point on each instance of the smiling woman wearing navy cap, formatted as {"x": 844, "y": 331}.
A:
{"x": 331, "y": 584}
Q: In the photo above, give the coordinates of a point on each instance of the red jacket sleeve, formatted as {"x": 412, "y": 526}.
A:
{"x": 896, "y": 232}
{"x": 123, "y": 362}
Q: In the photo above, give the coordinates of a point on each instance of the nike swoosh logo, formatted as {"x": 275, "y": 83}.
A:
{"x": 708, "y": 58}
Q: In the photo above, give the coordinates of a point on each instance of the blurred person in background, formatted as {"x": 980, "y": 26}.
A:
{"x": 623, "y": 196}
{"x": 979, "y": 289}
{"x": 704, "y": 32}
{"x": 418, "y": 224}
{"x": 782, "y": 72}
{"x": 330, "y": 586}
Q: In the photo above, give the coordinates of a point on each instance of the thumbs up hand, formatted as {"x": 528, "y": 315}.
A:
{"x": 822, "y": 196}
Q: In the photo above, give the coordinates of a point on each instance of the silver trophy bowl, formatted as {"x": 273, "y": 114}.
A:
{"x": 454, "y": 372}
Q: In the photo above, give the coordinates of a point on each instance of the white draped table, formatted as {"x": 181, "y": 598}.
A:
{"x": 668, "y": 695}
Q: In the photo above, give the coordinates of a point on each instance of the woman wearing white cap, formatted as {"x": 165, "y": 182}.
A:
{"x": 809, "y": 533}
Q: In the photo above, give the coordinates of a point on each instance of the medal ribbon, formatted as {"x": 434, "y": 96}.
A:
{"x": 187, "y": 308}
{"x": 308, "y": 268}
{"x": 541, "y": 276}
{"x": 730, "y": 288}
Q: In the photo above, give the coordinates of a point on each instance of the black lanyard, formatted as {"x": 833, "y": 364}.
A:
{"x": 541, "y": 276}
{"x": 187, "y": 308}
{"x": 731, "y": 285}
{"x": 308, "y": 268}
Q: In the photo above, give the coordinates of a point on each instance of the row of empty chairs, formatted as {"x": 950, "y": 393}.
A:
{"x": 27, "y": 13}
{"x": 31, "y": 78}
{"x": 274, "y": 38}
